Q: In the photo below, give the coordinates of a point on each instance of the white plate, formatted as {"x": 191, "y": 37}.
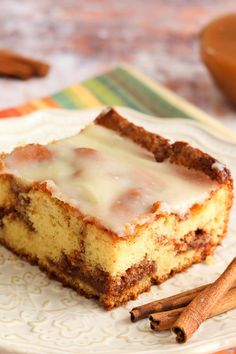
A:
{"x": 39, "y": 316}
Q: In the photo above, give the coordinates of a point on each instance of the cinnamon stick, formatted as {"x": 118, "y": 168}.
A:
{"x": 165, "y": 320}
{"x": 9, "y": 67}
{"x": 169, "y": 303}
{"x": 16, "y": 65}
{"x": 201, "y": 307}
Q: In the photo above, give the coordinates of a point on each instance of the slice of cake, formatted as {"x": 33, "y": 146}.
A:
{"x": 114, "y": 209}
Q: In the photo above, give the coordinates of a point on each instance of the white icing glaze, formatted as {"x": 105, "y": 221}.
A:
{"x": 113, "y": 179}
{"x": 218, "y": 166}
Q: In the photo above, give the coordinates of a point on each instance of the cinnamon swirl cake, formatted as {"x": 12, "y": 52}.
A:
{"x": 114, "y": 209}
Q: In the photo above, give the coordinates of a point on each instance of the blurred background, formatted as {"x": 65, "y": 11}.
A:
{"x": 82, "y": 38}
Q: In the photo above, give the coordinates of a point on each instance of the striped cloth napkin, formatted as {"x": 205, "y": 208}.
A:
{"x": 123, "y": 86}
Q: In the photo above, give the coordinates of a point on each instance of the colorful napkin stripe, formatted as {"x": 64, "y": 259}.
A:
{"x": 122, "y": 86}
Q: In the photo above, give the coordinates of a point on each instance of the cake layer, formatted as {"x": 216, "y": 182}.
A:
{"x": 73, "y": 257}
{"x": 75, "y": 251}
{"x": 62, "y": 227}
{"x": 111, "y": 222}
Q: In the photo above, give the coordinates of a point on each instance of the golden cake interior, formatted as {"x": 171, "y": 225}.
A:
{"x": 100, "y": 259}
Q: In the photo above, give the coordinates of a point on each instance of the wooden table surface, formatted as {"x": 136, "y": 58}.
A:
{"x": 82, "y": 38}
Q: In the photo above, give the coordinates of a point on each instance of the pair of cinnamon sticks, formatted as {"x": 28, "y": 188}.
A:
{"x": 184, "y": 313}
{"x": 18, "y": 66}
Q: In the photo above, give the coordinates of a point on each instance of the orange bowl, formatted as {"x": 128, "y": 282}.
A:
{"x": 218, "y": 52}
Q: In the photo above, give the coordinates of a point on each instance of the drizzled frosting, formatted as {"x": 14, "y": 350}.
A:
{"x": 110, "y": 178}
